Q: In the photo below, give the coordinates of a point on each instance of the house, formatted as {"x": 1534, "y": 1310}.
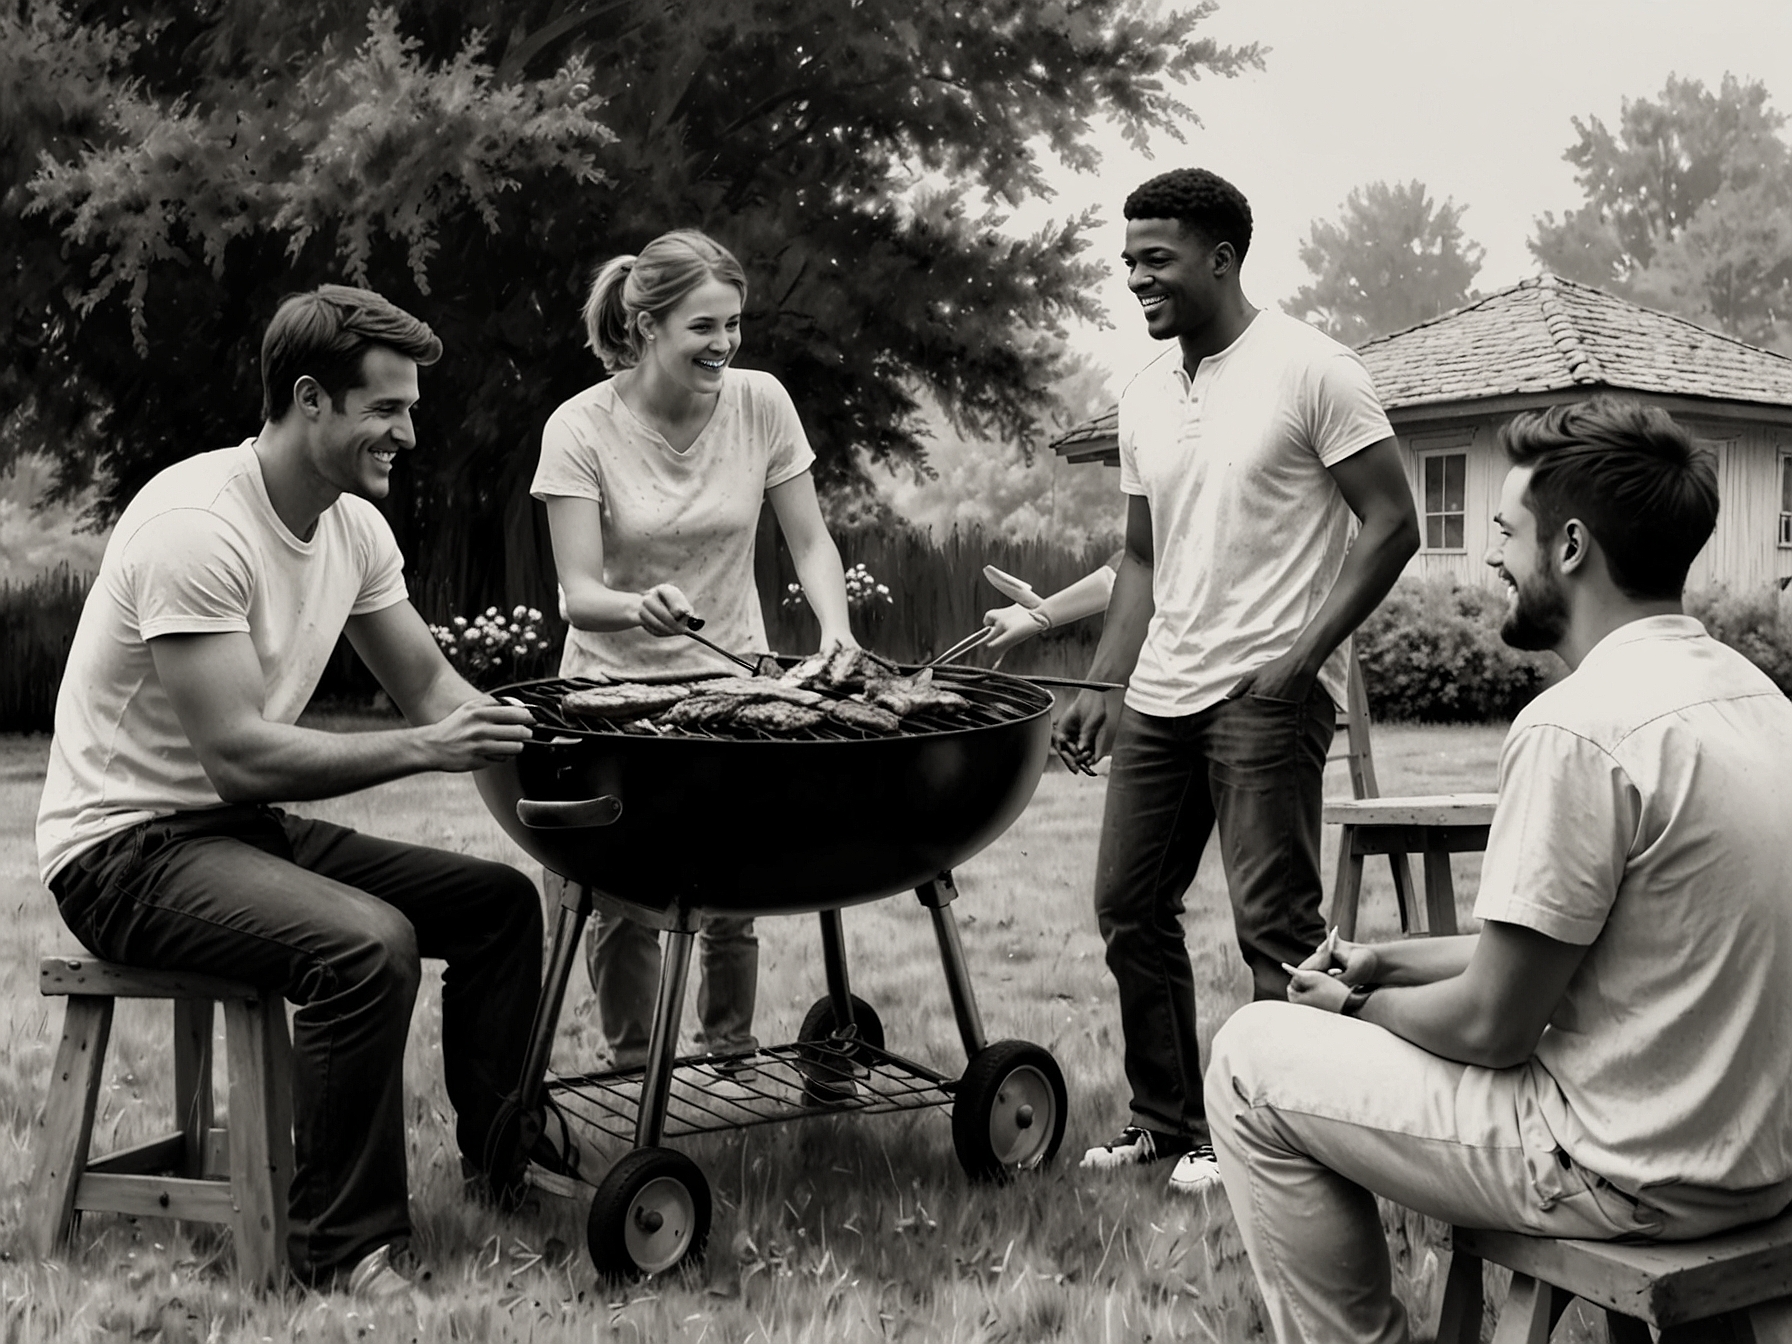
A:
{"x": 1448, "y": 385}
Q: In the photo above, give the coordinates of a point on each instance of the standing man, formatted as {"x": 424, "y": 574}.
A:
{"x": 1244, "y": 452}
{"x": 1611, "y": 1056}
{"x": 218, "y": 602}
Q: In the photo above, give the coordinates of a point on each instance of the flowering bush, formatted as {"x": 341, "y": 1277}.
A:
{"x": 863, "y": 591}
{"x": 494, "y": 648}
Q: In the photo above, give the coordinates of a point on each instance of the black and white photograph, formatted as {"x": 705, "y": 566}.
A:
{"x": 896, "y": 671}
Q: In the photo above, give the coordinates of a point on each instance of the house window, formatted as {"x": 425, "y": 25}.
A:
{"x": 1444, "y": 478}
{"x": 1786, "y": 500}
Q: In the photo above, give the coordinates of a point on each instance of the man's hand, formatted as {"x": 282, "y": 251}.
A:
{"x": 479, "y": 733}
{"x": 1353, "y": 963}
{"x": 1316, "y": 989}
{"x": 1078, "y": 736}
{"x": 1283, "y": 679}
{"x": 663, "y": 610}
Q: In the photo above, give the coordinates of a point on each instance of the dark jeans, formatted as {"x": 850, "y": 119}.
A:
{"x": 338, "y": 920}
{"x": 1254, "y": 768}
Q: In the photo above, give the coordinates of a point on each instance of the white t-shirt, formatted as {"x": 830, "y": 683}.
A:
{"x": 1646, "y": 813}
{"x": 687, "y": 518}
{"x": 1248, "y": 526}
{"x": 200, "y": 550}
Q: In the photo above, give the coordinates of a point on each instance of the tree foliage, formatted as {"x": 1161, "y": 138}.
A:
{"x": 172, "y": 167}
{"x": 1394, "y": 258}
{"x": 1688, "y": 208}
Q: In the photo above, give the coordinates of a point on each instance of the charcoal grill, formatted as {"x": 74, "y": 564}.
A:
{"x": 668, "y": 827}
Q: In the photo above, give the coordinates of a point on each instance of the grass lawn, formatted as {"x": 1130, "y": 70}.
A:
{"x": 828, "y": 1229}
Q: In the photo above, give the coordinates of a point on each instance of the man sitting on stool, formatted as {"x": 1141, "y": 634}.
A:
{"x": 219, "y": 600}
{"x": 1611, "y": 1056}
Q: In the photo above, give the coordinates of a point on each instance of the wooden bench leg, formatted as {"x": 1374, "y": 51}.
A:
{"x": 1347, "y": 890}
{"x": 67, "y": 1127}
{"x": 1460, "y": 1320}
{"x": 1440, "y": 894}
{"x": 1530, "y": 1312}
{"x": 1403, "y": 890}
{"x": 260, "y": 1157}
{"x": 193, "y": 1080}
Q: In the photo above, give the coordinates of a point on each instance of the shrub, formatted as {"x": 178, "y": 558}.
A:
{"x": 37, "y": 623}
{"x": 1432, "y": 653}
{"x": 1753, "y": 623}
{"x": 492, "y": 648}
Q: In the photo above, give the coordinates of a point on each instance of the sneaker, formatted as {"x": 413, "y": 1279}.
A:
{"x": 1135, "y": 1147}
{"x": 387, "y": 1274}
{"x": 1196, "y": 1171}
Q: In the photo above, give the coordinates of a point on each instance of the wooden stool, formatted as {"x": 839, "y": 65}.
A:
{"x": 1436, "y": 827}
{"x": 239, "y": 1176}
{"x": 1704, "y": 1287}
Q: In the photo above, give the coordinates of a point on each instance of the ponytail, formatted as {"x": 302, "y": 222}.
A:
{"x": 610, "y": 328}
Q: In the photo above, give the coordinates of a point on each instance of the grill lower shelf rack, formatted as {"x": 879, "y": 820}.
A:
{"x": 773, "y": 1083}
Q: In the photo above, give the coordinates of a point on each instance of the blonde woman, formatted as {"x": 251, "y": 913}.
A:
{"x": 653, "y": 480}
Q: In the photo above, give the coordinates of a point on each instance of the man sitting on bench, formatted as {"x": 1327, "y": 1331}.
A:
{"x": 1611, "y": 1056}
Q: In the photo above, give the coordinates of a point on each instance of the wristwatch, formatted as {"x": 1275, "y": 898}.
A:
{"x": 1358, "y": 996}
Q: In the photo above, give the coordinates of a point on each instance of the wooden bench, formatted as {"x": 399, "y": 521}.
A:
{"x": 1690, "y": 1290}
{"x": 238, "y": 1176}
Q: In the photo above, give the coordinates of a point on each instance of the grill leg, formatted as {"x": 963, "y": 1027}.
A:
{"x": 662, "y": 1044}
{"x": 569, "y": 923}
{"x": 833, "y": 961}
{"x": 938, "y": 896}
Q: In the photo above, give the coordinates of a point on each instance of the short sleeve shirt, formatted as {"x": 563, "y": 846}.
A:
{"x": 200, "y": 550}
{"x": 688, "y": 519}
{"x": 1249, "y": 528}
{"x": 1644, "y": 808}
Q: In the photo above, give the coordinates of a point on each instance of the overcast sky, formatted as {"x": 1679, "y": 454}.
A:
{"x": 1474, "y": 100}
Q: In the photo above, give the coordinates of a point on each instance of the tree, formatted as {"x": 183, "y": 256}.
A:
{"x": 1686, "y": 207}
{"x": 173, "y": 167}
{"x": 1393, "y": 258}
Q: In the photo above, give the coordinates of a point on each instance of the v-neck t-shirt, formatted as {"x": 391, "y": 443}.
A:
{"x": 685, "y": 518}
{"x": 200, "y": 550}
{"x": 1249, "y": 528}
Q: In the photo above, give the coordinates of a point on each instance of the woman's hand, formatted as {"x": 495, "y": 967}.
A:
{"x": 662, "y": 611}
{"x": 838, "y": 639}
{"x": 1013, "y": 625}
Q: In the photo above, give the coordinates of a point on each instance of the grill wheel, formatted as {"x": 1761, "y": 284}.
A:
{"x": 1010, "y": 1111}
{"x": 651, "y": 1213}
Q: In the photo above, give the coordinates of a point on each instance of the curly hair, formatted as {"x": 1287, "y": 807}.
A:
{"x": 325, "y": 333}
{"x": 1645, "y": 490}
{"x": 666, "y": 270}
{"x": 1200, "y": 201}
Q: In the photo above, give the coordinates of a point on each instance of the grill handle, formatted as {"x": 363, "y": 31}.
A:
{"x": 546, "y": 814}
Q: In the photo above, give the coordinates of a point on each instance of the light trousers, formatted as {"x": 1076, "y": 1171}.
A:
{"x": 1314, "y": 1114}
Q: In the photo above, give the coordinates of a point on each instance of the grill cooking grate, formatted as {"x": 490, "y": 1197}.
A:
{"x": 994, "y": 699}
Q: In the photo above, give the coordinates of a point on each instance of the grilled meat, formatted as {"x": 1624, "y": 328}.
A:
{"x": 808, "y": 672}
{"x": 847, "y": 669}
{"x": 777, "y": 716}
{"x": 623, "y": 700}
{"x": 903, "y": 696}
{"x": 703, "y": 711}
{"x": 759, "y": 688}
{"x": 857, "y": 714}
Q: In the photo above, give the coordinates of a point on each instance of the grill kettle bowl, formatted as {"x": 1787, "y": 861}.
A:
{"x": 674, "y": 825}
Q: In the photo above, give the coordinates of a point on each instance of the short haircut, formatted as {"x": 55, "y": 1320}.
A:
{"x": 1202, "y": 202}
{"x": 325, "y": 334}
{"x": 1644, "y": 489}
{"x": 652, "y": 282}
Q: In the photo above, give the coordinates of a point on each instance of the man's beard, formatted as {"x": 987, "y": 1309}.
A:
{"x": 1538, "y": 618}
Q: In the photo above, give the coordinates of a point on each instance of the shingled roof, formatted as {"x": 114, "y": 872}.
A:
{"x": 1548, "y": 334}
{"x": 1540, "y": 336}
